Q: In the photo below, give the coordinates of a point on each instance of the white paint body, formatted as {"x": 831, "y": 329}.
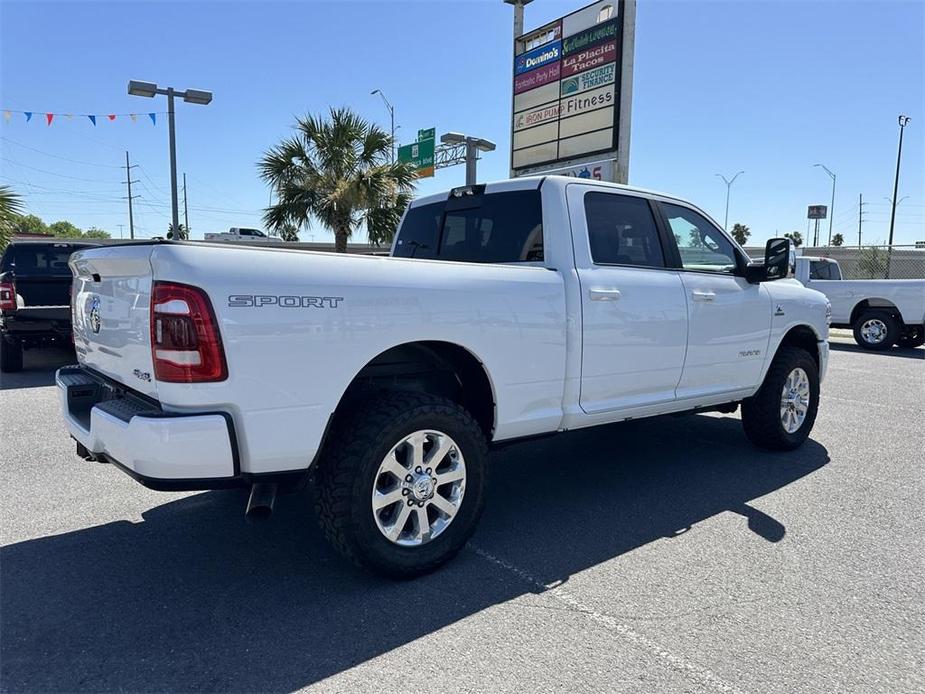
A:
{"x": 556, "y": 359}
{"x": 906, "y": 296}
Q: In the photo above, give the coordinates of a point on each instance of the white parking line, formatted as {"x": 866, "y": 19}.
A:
{"x": 678, "y": 663}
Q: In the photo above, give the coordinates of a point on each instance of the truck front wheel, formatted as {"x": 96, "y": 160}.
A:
{"x": 400, "y": 486}
{"x": 781, "y": 414}
{"x": 913, "y": 337}
{"x": 10, "y": 355}
{"x": 876, "y": 330}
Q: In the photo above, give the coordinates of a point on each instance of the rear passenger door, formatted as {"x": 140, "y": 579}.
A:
{"x": 634, "y": 314}
{"x": 729, "y": 319}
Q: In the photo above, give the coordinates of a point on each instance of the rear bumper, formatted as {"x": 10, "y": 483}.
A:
{"x": 161, "y": 450}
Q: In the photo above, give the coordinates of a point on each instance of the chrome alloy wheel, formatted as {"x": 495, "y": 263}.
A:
{"x": 419, "y": 488}
{"x": 794, "y": 401}
{"x": 873, "y": 331}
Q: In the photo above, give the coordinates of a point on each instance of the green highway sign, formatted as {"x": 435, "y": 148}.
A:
{"x": 428, "y": 134}
{"x": 421, "y": 153}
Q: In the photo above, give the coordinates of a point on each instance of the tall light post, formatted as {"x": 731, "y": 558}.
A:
{"x": 190, "y": 96}
{"x": 474, "y": 145}
{"x": 728, "y": 183}
{"x": 391, "y": 108}
{"x": 832, "y": 208}
{"x": 903, "y": 122}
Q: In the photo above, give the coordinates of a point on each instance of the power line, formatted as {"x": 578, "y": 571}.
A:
{"x": 56, "y": 156}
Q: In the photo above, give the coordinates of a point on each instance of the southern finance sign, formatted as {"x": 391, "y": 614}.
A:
{"x": 567, "y": 90}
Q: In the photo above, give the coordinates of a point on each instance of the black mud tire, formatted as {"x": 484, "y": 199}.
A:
{"x": 761, "y": 415}
{"x": 358, "y": 442}
{"x": 892, "y": 329}
{"x": 10, "y": 355}
{"x": 912, "y": 338}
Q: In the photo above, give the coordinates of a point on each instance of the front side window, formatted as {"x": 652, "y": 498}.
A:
{"x": 703, "y": 247}
{"x": 622, "y": 231}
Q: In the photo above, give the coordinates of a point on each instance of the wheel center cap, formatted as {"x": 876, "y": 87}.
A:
{"x": 422, "y": 488}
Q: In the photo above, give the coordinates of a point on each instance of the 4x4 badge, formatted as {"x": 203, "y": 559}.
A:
{"x": 94, "y": 315}
{"x": 779, "y": 311}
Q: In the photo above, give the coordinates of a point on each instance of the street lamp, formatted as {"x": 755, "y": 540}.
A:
{"x": 190, "y": 96}
{"x": 903, "y": 122}
{"x": 391, "y": 114}
{"x": 832, "y": 208}
{"x": 474, "y": 145}
{"x": 728, "y": 189}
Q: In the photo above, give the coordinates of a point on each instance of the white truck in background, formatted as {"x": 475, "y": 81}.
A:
{"x": 241, "y": 234}
{"x": 882, "y": 313}
{"x": 508, "y": 310}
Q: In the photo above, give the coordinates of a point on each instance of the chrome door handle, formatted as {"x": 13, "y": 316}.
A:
{"x": 703, "y": 296}
{"x": 604, "y": 294}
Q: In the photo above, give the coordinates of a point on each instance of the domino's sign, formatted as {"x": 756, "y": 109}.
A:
{"x": 549, "y": 53}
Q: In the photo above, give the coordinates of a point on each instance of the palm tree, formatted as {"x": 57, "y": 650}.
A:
{"x": 337, "y": 171}
{"x": 10, "y": 208}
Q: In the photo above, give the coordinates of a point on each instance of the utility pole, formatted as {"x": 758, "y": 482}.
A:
{"x": 185, "y": 234}
{"x": 860, "y": 215}
{"x": 518, "y": 6}
{"x": 121, "y": 227}
{"x": 832, "y": 208}
{"x": 128, "y": 182}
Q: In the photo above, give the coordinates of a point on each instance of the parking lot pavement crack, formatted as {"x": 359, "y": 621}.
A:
{"x": 557, "y": 591}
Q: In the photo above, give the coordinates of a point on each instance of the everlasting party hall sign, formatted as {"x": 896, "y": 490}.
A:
{"x": 572, "y": 91}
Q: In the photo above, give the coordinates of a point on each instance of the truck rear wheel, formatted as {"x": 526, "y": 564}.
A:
{"x": 400, "y": 486}
{"x": 10, "y": 355}
{"x": 876, "y": 329}
{"x": 782, "y": 413}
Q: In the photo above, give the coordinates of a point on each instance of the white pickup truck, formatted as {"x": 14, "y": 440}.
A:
{"x": 882, "y": 313}
{"x": 507, "y": 310}
{"x": 241, "y": 234}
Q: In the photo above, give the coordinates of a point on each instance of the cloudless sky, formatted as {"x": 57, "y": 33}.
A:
{"x": 765, "y": 86}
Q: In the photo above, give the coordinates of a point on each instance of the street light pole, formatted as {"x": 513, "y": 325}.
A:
{"x": 832, "y": 208}
{"x": 474, "y": 145}
{"x": 903, "y": 121}
{"x": 728, "y": 190}
{"x": 391, "y": 108}
{"x": 190, "y": 96}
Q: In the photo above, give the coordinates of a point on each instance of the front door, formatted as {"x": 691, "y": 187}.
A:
{"x": 634, "y": 312}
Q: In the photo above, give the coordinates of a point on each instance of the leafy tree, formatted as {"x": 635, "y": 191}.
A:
{"x": 288, "y": 232}
{"x": 872, "y": 263}
{"x": 740, "y": 233}
{"x": 336, "y": 170}
{"x": 96, "y": 233}
{"x": 179, "y": 233}
{"x": 795, "y": 237}
{"x": 694, "y": 239}
{"x": 10, "y": 205}
{"x": 31, "y": 224}
{"x": 838, "y": 240}
{"x": 65, "y": 229}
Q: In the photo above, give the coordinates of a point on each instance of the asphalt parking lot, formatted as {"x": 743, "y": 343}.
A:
{"x": 660, "y": 555}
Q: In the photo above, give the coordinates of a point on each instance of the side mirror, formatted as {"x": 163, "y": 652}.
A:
{"x": 776, "y": 263}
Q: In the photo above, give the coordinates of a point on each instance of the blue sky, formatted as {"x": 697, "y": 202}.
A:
{"x": 768, "y": 87}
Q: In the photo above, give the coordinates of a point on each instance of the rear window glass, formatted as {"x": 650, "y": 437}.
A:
{"x": 29, "y": 259}
{"x": 494, "y": 228}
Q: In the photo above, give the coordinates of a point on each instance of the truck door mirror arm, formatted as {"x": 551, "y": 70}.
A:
{"x": 776, "y": 263}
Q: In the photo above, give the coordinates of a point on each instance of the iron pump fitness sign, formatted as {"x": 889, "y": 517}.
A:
{"x": 573, "y": 92}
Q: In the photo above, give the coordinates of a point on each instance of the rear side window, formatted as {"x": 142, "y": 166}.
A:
{"x": 824, "y": 270}
{"x": 36, "y": 259}
{"x": 493, "y": 228}
{"x": 622, "y": 231}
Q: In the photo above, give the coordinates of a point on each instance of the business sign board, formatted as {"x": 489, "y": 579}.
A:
{"x": 591, "y": 171}
{"x": 420, "y": 154}
{"x": 817, "y": 212}
{"x": 572, "y": 86}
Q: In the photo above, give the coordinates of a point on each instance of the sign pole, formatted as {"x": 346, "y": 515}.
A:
{"x": 626, "y": 92}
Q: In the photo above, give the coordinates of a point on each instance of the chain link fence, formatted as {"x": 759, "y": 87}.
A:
{"x": 867, "y": 262}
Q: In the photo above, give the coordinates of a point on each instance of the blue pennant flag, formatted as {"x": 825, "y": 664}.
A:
{"x": 153, "y": 117}
{"x": 92, "y": 119}
{"x": 28, "y": 115}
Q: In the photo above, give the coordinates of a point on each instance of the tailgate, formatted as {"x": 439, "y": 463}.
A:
{"x": 111, "y": 313}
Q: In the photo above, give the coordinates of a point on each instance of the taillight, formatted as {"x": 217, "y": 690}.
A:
{"x": 185, "y": 342}
{"x": 7, "y": 296}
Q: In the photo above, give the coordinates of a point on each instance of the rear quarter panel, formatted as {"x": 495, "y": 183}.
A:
{"x": 290, "y": 364}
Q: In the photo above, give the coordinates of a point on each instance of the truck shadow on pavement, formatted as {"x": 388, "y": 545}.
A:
{"x": 39, "y": 367}
{"x": 192, "y": 598}
{"x": 903, "y": 352}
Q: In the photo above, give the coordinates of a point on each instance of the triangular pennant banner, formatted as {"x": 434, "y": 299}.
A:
{"x": 153, "y": 117}
{"x": 28, "y": 115}
{"x": 133, "y": 116}
{"x": 49, "y": 117}
{"x": 111, "y": 116}
{"x": 7, "y": 115}
{"x": 92, "y": 119}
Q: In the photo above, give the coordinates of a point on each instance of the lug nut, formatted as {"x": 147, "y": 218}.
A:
{"x": 428, "y": 471}
{"x": 410, "y": 502}
{"x": 417, "y": 469}
{"x": 404, "y": 492}
{"x": 408, "y": 478}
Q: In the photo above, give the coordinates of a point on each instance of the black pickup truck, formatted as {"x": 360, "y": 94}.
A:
{"x": 35, "y": 297}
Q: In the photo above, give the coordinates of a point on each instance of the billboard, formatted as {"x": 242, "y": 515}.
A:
{"x": 572, "y": 92}
{"x": 817, "y": 211}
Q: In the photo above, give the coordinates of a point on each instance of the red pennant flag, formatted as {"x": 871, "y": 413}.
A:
{"x": 49, "y": 117}
{"x": 111, "y": 116}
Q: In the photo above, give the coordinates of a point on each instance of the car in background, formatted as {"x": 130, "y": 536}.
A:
{"x": 242, "y": 234}
{"x": 35, "y": 291}
{"x": 881, "y": 313}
